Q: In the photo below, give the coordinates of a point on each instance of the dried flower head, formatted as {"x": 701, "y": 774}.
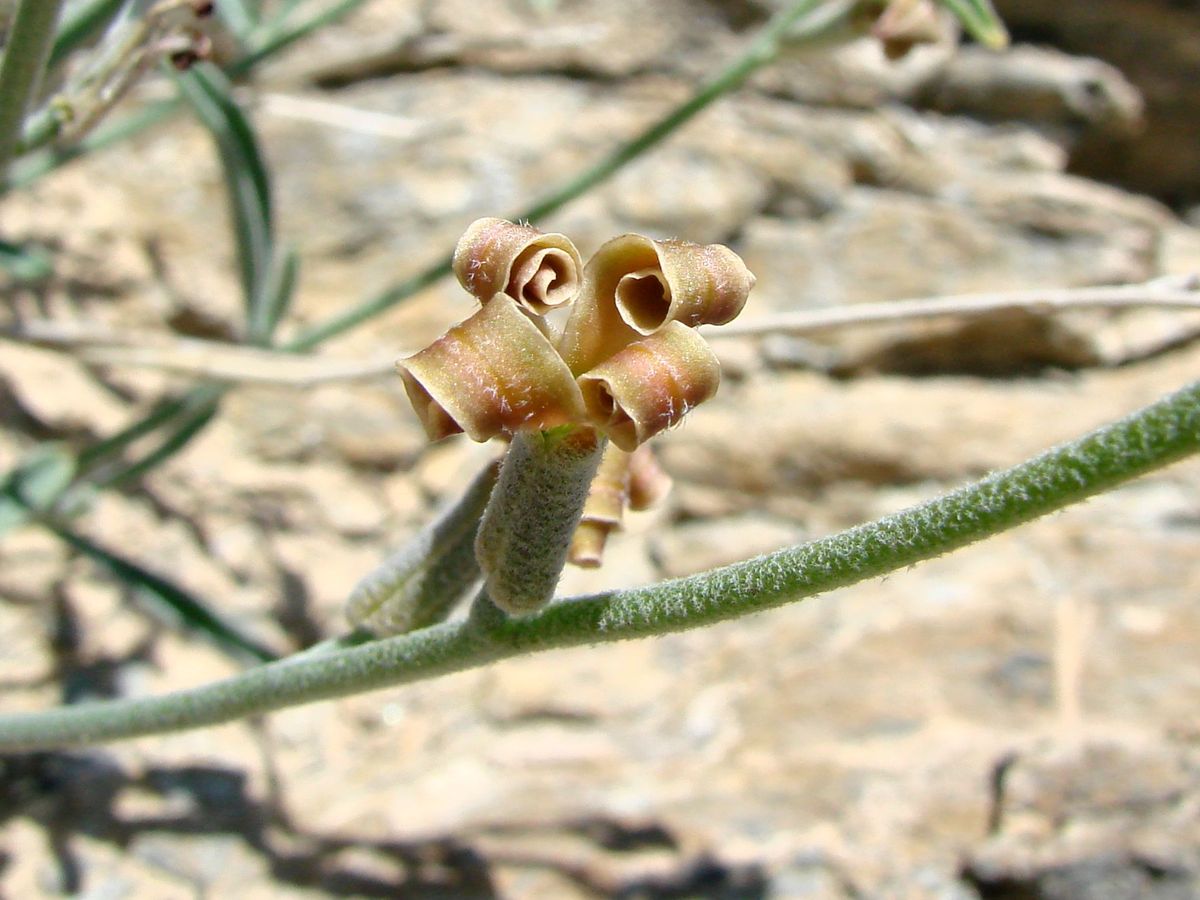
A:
{"x": 629, "y": 362}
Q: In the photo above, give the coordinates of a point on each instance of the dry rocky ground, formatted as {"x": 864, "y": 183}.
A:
{"x": 1017, "y": 720}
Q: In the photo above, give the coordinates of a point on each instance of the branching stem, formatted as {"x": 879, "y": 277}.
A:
{"x": 1157, "y": 435}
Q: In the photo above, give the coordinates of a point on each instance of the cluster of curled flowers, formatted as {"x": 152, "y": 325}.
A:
{"x": 628, "y": 362}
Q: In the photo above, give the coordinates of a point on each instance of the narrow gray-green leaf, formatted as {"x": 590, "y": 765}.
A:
{"x": 25, "y": 263}
{"x": 419, "y": 584}
{"x": 167, "y": 597}
{"x": 277, "y": 292}
{"x": 80, "y": 23}
{"x": 35, "y": 484}
{"x": 247, "y": 183}
{"x": 981, "y": 21}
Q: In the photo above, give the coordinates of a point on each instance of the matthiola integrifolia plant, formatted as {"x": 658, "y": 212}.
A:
{"x": 576, "y": 405}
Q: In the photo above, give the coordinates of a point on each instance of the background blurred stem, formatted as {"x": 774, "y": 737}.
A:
{"x": 761, "y": 51}
{"x": 80, "y": 22}
{"x": 21, "y": 70}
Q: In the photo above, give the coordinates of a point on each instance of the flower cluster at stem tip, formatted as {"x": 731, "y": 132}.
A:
{"x": 628, "y": 362}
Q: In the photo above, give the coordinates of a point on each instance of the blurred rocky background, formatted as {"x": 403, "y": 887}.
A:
{"x": 1018, "y": 720}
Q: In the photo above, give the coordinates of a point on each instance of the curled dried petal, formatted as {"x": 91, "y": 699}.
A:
{"x": 903, "y": 24}
{"x": 698, "y": 285}
{"x": 588, "y": 543}
{"x": 539, "y": 271}
{"x": 604, "y": 509}
{"x": 650, "y": 385}
{"x": 649, "y": 482}
{"x": 634, "y": 286}
{"x": 494, "y": 373}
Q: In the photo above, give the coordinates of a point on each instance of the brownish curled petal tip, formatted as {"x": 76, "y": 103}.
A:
{"x": 691, "y": 283}
{"x": 539, "y": 271}
{"x": 437, "y": 423}
{"x": 608, "y": 494}
{"x": 903, "y": 24}
{"x": 491, "y": 374}
{"x": 649, "y": 482}
{"x": 587, "y": 544}
{"x": 650, "y": 385}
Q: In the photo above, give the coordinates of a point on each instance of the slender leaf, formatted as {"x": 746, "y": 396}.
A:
{"x": 240, "y": 15}
{"x": 167, "y": 597}
{"x": 24, "y": 262}
{"x": 172, "y": 444}
{"x": 247, "y": 183}
{"x": 277, "y": 294}
{"x": 35, "y": 485}
{"x": 281, "y": 37}
{"x": 981, "y": 21}
{"x": 80, "y": 23}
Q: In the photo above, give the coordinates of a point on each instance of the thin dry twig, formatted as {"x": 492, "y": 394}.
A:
{"x": 237, "y": 363}
{"x": 1172, "y": 292}
{"x": 346, "y": 118}
{"x": 98, "y": 345}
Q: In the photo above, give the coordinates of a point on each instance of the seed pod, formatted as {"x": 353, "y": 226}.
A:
{"x": 650, "y": 385}
{"x": 635, "y": 286}
{"x": 539, "y": 271}
{"x": 419, "y": 584}
{"x": 526, "y": 530}
{"x": 491, "y": 374}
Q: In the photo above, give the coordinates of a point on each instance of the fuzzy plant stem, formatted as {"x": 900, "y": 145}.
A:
{"x": 526, "y": 530}
{"x": 419, "y": 584}
{"x": 21, "y": 70}
{"x": 1150, "y": 438}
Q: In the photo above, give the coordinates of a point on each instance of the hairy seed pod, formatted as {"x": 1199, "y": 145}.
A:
{"x": 419, "y": 584}
{"x": 494, "y": 373}
{"x": 539, "y": 271}
{"x": 604, "y": 509}
{"x": 526, "y": 530}
{"x": 650, "y": 385}
{"x": 634, "y": 286}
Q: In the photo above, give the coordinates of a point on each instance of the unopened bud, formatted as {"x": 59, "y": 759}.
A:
{"x": 526, "y": 530}
{"x": 649, "y": 482}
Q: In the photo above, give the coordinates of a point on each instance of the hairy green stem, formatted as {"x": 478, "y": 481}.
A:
{"x": 21, "y": 70}
{"x": 1153, "y": 437}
